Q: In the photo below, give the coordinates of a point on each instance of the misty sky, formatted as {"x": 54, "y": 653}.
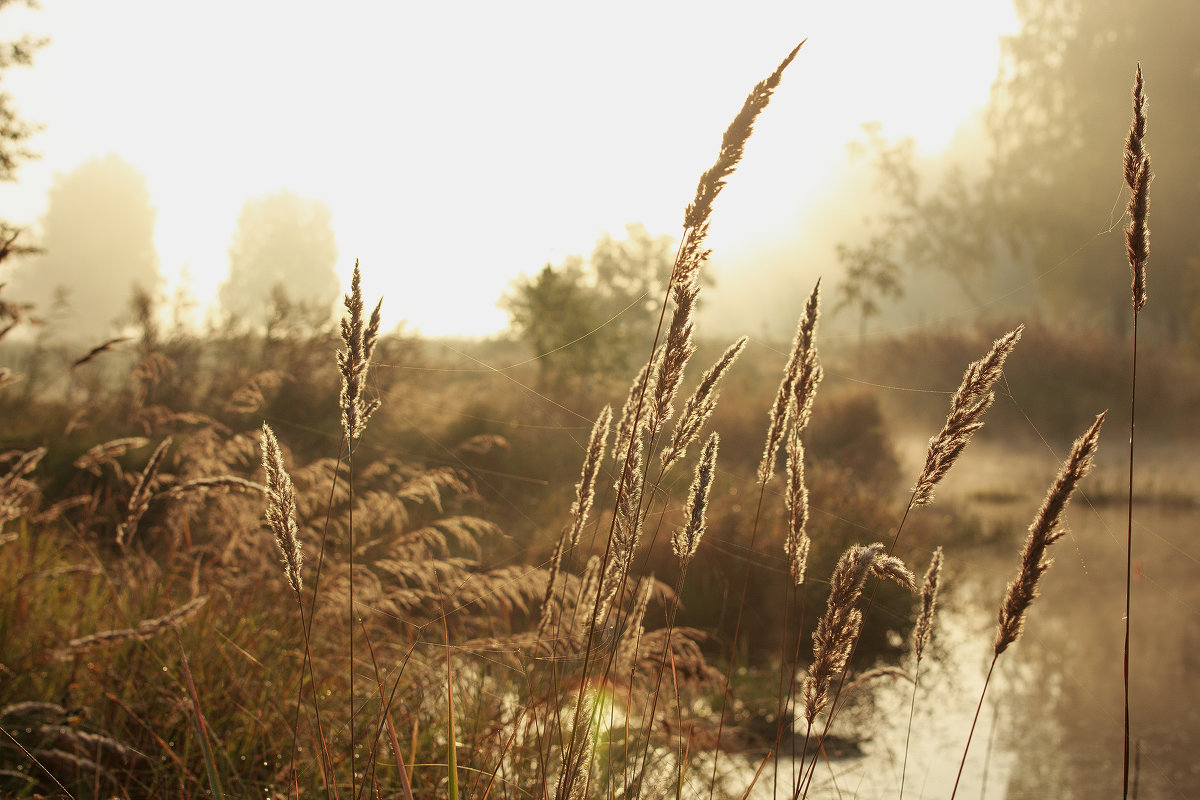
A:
{"x": 461, "y": 144}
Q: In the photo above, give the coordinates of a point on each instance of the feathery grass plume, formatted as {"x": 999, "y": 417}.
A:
{"x": 589, "y": 588}
{"x": 833, "y": 640}
{"x": 627, "y": 647}
{"x": 97, "y": 351}
{"x": 1137, "y": 249}
{"x": 213, "y": 483}
{"x": 13, "y": 486}
{"x": 355, "y": 360}
{"x": 797, "y": 544}
{"x": 281, "y": 507}
{"x": 970, "y": 402}
{"x": 1137, "y": 178}
{"x": 22, "y": 467}
{"x": 108, "y": 452}
{"x": 677, "y": 352}
{"x": 699, "y": 407}
{"x": 547, "y": 617}
{"x": 627, "y": 528}
{"x": 808, "y": 369}
{"x": 696, "y": 218}
{"x": 923, "y": 630}
{"x": 145, "y": 629}
{"x": 801, "y": 362}
{"x": 585, "y": 493}
{"x": 687, "y": 538}
{"x": 139, "y": 500}
{"x": 585, "y": 490}
{"x": 647, "y": 375}
{"x": 1044, "y": 531}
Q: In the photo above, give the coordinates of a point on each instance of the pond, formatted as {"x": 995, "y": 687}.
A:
{"x": 1052, "y": 723}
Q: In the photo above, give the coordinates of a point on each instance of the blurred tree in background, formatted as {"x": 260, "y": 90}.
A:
{"x": 97, "y": 239}
{"x": 1052, "y": 197}
{"x": 1058, "y": 126}
{"x": 592, "y": 318}
{"x": 283, "y": 252}
{"x": 14, "y": 131}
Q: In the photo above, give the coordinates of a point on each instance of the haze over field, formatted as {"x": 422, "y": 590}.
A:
{"x": 460, "y": 146}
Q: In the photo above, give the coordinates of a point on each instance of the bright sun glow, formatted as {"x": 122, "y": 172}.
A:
{"x": 461, "y": 144}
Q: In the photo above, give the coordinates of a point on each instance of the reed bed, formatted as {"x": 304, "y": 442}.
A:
{"x": 416, "y": 666}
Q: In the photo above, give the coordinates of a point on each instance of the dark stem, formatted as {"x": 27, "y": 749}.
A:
{"x": 975, "y": 721}
{"x": 1129, "y": 558}
{"x": 912, "y": 709}
{"x": 737, "y": 629}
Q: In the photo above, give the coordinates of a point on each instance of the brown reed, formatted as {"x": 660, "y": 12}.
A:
{"x": 923, "y": 630}
{"x": 967, "y": 407}
{"x": 687, "y": 538}
{"x": 837, "y": 631}
{"x": 797, "y": 543}
{"x": 214, "y": 483}
{"x": 1044, "y": 531}
{"x": 281, "y": 508}
{"x": 733, "y": 144}
{"x": 108, "y": 452}
{"x": 585, "y": 492}
{"x": 98, "y": 351}
{"x": 699, "y": 406}
{"x": 1137, "y": 178}
{"x": 801, "y": 362}
{"x": 1137, "y": 250}
{"x": 139, "y": 499}
{"x": 14, "y": 489}
{"x": 585, "y": 489}
{"x": 677, "y": 351}
{"x": 353, "y": 362}
{"x": 146, "y": 629}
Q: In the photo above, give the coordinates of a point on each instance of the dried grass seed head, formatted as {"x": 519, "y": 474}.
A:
{"x": 1045, "y": 530}
{"x": 803, "y": 352}
{"x": 359, "y": 338}
{"x": 797, "y": 543}
{"x": 700, "y": 406}
{"x": 585, "y": 490}
{"x": 1138, "y": 177}
{"x": 923, "y": 630}
{"x": 696, "y": 218}
{"x": 970, "y": 402}
{"x": 281, "y": 508}
{"x": 686, "y": 540}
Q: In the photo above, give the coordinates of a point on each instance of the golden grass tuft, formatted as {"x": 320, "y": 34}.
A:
{"x": 281, "y": 508}
{"x": 1045, "y": 530}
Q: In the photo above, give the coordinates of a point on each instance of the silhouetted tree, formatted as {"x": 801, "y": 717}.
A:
{"x": 97, "y": 239}
{"x": 593, "y": 317}
{"x": 283, "y": 249}
{"x": 871, "y": 276}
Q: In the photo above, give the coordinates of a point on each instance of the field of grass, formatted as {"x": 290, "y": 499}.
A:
{"x": 316, "y": 562}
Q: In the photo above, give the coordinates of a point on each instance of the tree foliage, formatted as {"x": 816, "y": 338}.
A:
{"x": 283, "y": 251}
{"x": 587, "y": 317}
{"x": 1058, "y": 120}
{"x": 1052, "y": 195}
{"x": 14, "y": 131}
{"x": 97, "y": 243}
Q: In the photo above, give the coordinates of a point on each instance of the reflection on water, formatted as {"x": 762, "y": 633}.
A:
{"x": 1052, "y": 723}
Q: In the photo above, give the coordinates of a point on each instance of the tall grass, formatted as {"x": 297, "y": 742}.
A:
{"x": 549, "y": 676}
